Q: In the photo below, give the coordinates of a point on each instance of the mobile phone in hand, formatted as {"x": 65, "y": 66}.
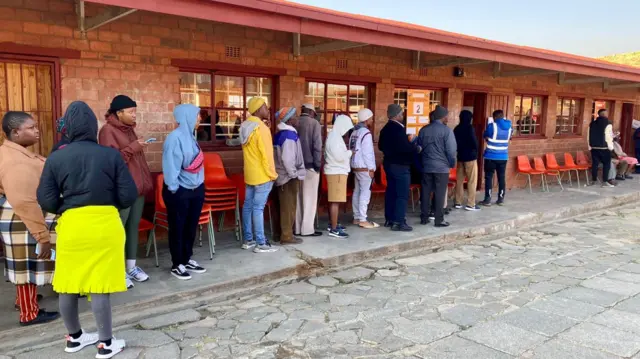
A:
{"x": 53, "y": 252}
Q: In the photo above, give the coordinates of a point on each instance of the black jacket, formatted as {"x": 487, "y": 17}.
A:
{"x": 83, "y": 173}
{"x": 394, "y": 144}
{"x": 597, "y": 128}
{"x": 466, "y": 138}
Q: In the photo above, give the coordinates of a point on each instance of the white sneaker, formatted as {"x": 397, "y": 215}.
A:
{"x": 138, "y": 274}
{"x": 106, "y": 352}
{"x": 129, "y": 282}
{"x": 248, "y": 245}
{"x": 76, "y": 345}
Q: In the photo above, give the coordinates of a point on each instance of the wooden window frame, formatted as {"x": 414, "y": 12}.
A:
{"x": 219, "y": 145}
{"x": 577, "y": 128}
{"x": 543, "y": 116}
{"x": 611, "y": 109}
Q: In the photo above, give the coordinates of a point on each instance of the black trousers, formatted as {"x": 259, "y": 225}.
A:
{"x": 435, "y": 183}
{"x": 396, "y": 196}
{"x": 500, "y": 167}
{"x": 598, "y": 157}
{"x": 183, "y": 213}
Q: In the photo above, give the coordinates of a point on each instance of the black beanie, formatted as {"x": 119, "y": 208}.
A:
{"x": 121, "y": 102}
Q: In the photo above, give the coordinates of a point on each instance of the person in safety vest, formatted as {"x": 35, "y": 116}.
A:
{"x": 497, "y": 137}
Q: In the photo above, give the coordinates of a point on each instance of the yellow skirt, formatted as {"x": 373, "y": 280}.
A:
{"x": 90, "y": 251}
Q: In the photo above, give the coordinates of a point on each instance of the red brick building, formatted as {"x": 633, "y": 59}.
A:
{"x": 218, "y": 53}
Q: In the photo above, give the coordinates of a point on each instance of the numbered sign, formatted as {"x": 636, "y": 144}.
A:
{"x": 418, "y": 108}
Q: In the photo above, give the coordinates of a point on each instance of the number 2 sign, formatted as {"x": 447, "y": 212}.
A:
{"x": 418, "y": 108}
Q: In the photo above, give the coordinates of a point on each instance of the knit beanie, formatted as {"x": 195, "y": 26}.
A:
{"x": 121, "y": 102}
{"x": 393, "y": 110}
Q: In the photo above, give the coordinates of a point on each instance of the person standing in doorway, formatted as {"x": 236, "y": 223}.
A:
{"x": 119, "y": 133}
{"x": 496, "y": 154}
{"x": 337, "y": 167}
{"x": 259, "y": 174}
{"x": 289, "y": 164}
{"x": 310, "y": 136}
{"x": 467, "y": 161}
{"x": 363, "y": 165}
{"x": 399, "y": 153}
{"x": 183, "y": 190}
{"x": 601, "y": 144}
{"x": 438, "y": 156}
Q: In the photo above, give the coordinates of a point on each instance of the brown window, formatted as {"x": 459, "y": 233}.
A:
{"x": 332, "y": 98}
{"x": 601, "y": 105}
{"x": 223, "y": 99}
{"x": 528, "y": 115}
{"x": 568, "y": 118}
{"x": 29, "y": 86}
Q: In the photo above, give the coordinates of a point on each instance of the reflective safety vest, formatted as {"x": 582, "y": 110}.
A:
{"x": 498, "y": 144}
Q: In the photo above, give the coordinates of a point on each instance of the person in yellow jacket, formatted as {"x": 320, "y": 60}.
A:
{"x": 259, "y": 175}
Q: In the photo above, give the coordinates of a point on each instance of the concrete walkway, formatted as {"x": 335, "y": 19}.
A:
{"x": 233, "y": 268}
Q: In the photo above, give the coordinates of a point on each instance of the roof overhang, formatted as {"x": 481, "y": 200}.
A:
{"x": 301, "y": 19}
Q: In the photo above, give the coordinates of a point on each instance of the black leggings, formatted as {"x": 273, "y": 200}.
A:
{"x": 183, "y": 212}
{"x": 499, "y": 166}
{"x": 597, "y": 157}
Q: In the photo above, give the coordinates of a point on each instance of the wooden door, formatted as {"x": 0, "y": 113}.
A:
{"x": 29, "y": 87}
{"x": 476, "y": 103}
{"x": 626, "y": 131}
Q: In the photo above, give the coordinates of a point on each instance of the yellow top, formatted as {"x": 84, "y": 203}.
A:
{"x": 257, "y": 152}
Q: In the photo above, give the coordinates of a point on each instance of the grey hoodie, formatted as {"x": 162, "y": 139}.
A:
{"x": 288, "y": 155}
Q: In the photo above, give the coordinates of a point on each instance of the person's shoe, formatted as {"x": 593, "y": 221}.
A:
{"x": 472, "y": 208}
{"x": 424, "y": 221}
{"x": 628, "y": 177}
{"x": 293, "y": 240}
{"x": 314, "y": 234}
{"x": 432, "y": 216}
{"x": 193, "y": 266}
{"x": 340, "y": 227}
{"x": 457, "y": 206}
{"x": 592, "y": 183}
{"x": 264, "y": 248}
{"x": 388, "y": 224}
{"x": 620, "y": 178}
{"x": 356, "y": 222}
{"x": 401, "y": 227}
{"x": 43, "y": 317}
{"x": 85, "y": 339}
{"x": 443, "y": 224}
{"x": 248, "y": 245}
{"x": 138, "y": 274}
{"x": 486, "y": 202}
{"x": 128, "y": 281}
{"x": 446, "y": 211}
{"x": 338, "y": 233}
{"x": 500, "y": 202}
{"x": 180, "y": 272}
{"x": 109, "y": 351}
{"x": 608, "y": 184}
{"x": 369, "y": 225}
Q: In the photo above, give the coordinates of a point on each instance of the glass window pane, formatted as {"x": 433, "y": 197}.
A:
{"x": 357, "y": 98}
{"x": 337, "y": 97}
{"x": 400, "y": 97}
{"x": 314, "y": 94}
{"x": 195, "y": 89}
{"x": 259, "y": 86}
{"x": 229, "y": 91}
{"x": 227, "y": 124}
{"x": 435, "y": 99}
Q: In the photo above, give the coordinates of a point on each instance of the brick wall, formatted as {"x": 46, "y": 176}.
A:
{"x": 133, "y": 56}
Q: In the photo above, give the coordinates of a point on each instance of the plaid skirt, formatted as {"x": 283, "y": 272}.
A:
{"x": 22, "y": 265}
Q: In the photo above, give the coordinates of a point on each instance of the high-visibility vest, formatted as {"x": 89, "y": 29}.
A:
{"x": 498, "y": 144}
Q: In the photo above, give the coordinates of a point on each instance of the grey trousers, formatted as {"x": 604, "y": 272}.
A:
{"x": 131, "y": 220}
{"x": 101, "y": 307}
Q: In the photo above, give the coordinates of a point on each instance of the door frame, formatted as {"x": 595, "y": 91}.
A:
{"x": 479, "y": 128}
{"x": 626, "y": 133}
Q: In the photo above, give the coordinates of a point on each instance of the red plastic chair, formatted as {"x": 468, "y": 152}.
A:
{"x": 377, "y": 188}
{"x": 552, "y": 164}
{"x": 524, "y": 168}
{"x": 538, "y": 165}
{"x": 221, "y": 193}
{"x": 570, "y": 163}
{"x": 215, "y": 175}
{"x": 147, "y": 227}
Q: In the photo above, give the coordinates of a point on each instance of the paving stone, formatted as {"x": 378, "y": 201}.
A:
{"x": 307, "y": 314}
{"x": 593, "y": 296}
{"x": 612, "y": 285}
{"x": 314, "y": 328}
{"x": 624, "y": 276}
{"x": 169, "y": 351}
{"x": 344, "y": 299}
{"x": 381, "y": 265}
{"x": 422, "y": 331}
{"x": 274, "y": 318}
{"x": 629, "y": 322}
{"x": 631, "y": 268}
{"x": 503, "y": 337}
{"x": 388, "y": 273}
{"x": 353, "y": 274}
{"x": 344, "y": 337}
{"x": 603, "y": 338}
{"x": 433, "y": 258}
{"x": 248, "y": 337}
{"x": 538, "y": 322}
{"x": 325, "y": 281}
{"x": 144, "y": 338}
{"x": 545, "y": 288}
{"x": 562, "y": 349}
{"x": 294, "y": 288}
{"x": 565, "y": 307}
{"x": 455, "y": 347}
{"x": 284, "y": 331}
{"x": 179, "y": 317}
{"x": 248, "y": 327}
{"x": 342, "y": 316}
{"x": 466, "y": 315}
{"x": 630, "y": 305}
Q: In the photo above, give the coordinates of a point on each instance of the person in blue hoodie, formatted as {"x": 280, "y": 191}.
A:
{"x": 497, "y": 137}
{"x": 183, "y": 190}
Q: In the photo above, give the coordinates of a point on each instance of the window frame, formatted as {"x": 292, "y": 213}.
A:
{"x": 445, "y": 95}
{"x": 370, "y": 87}
{"x": 219, "y": 145}
{"x": 610, "y": 108}
{"x": 577, "y": 132}
{"x": 543, "y": 115}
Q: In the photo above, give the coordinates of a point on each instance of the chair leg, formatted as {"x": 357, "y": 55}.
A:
{"x": 200, "y": 235}
{"x": 212, "y": 238}
{"x": 221, "y": 222}
{"x": 238, "y": 223}
{"x": 529, "y": 182}
{"x": 578, "y": 178}
{"x": 148, "y": 244}
{"x": 413, "y": 203}
{"x": 271, "y": 222}
{"x": 560, "y": 183}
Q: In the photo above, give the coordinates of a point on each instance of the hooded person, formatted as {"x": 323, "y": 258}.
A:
{"x": 337, "y": 158}
{"x": 64, "y": 140}
{"x": 363, "y": 165}
{"x": 119, "y": 133}
{"x": 87, "y": 184}
{"x": 289, "y": 163}
{"x": 497, "y": 136}
{"x": 183, "y": 190}
{"x": 259, "y": 174}
{"x": 467, "y": 166}
{"x": 600, "y": 137}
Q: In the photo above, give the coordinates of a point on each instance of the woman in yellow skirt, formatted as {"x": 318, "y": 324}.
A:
{"x": 87, "y": 184}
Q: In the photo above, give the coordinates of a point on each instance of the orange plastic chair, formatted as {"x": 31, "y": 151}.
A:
{"x": 215, "y": 175}
{"x": 221, "y": 193}
{"x": 147, "y": 227}
{"x": 552, "y": 164}
{"x": 524, "y": 168}
{"x": 538, "y": 165}
{"x": 377, "y": 188}
{"x": 572, "y": 166}
{"x": 582, "y": 160}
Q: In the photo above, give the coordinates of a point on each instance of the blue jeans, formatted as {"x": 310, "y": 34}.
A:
{"x": 396, "y": 197}
{"x": 253, "y": 212}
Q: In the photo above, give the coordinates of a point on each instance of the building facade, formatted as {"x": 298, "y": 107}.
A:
{"x": 206, "y": 53}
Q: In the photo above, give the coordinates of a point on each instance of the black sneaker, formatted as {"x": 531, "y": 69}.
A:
{"x": 338, "y": 233}
{"x": 403, "y": 227}
{"x": 432, "y": 216}
{"x": 457, "y": 206}
{"x": 443, "y": 224}
{"x": 424, "y": 221}
{"x": 388, "y": 224}
{"x": 500, "y": 202}
{"x": 43, "y": 317}
{"x": 628, "y": 177}
{"x": 472, "y": 208}
{"x": 446, "y": 211}
{"x": 193, "y": 266}
{"x": 180, "y": 272}
{"x": 486, "y": 202}
{"x": 340, "y": 227}
{"x": 620, "y": 178}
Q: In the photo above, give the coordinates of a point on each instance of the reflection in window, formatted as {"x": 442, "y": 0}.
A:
{"x": 528, "y": 115}
{"x": 568, "y": 116}
{"x": 331, "y": 99}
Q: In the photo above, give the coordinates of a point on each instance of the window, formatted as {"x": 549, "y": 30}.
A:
{"x": 568, "y": 116}
{"x": 528, "y": 115}
{"x": 402, "y": 97}
{"x": 223, "y": 99}
{"x": 332, "y": 98}
{"x": 599, "y": 105}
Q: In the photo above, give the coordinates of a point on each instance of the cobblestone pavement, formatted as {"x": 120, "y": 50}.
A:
{"x": 567, "y": 290}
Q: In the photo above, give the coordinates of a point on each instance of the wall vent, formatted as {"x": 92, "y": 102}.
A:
{"x": 232, "y": 52}
{"x": 341, "y": 63}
